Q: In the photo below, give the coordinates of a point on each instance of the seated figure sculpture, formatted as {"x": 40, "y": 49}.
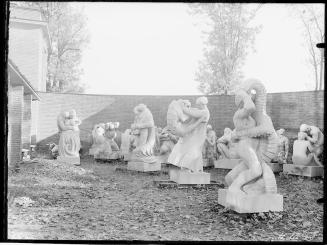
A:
{"x": 283, "y": 146}
{"x": 301, "y": 153}
{"x": 251, "y": 184}
{"x": 316, "y": 138}
{"x": 143, "y": 130}
{"x": 111, "y": 135}
{"x": 165, "y": 144}
{"x": 69, "y": 141}
{"x": 225, "y": 146}
{"x": 101, "y": 148}
{"x": 209, "y": 148}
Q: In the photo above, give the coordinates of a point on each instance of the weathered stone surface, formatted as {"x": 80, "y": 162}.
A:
{"x": 70, "y": 160}
{"x": 226, "y": 163}
{"x": 309, "y": 171}
{"x": 251, "y": 203}
{"x": 185, "y": 177}
{"x": 107, "y": 156}
{"x": 143, "y": 166}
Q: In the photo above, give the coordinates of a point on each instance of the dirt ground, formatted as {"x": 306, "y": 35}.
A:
{"x": 95, "y": 202}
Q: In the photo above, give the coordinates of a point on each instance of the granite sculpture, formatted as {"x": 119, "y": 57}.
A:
{"x": 69, "y": 141}
{"x": 142, "y": 157}
{"x": 190, "y": 124}
{"x": 251, "y": 184}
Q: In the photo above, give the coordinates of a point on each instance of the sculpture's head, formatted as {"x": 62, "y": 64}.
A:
{"x": 116, "y": 125}
{"x": 304, "y": 128}
{"x": 201, "y": 102}
{"x": 110, "y": 126}
{"x": 302, "y": 135}
{"x": 139, "y": 109}
{"x": 72, "y": 114}
{"x": 227, "y": 131}
{"x": 280, "y": 131}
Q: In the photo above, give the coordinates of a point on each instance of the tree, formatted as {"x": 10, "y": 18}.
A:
{"x": 68, "y": 36}
{"x": 228, "y": 41}
{"x": 311, "y": 17}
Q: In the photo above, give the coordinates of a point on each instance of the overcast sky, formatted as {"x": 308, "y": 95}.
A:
{"x": 154, "y": 48}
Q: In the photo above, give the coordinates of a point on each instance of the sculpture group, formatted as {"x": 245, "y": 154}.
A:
{"x": 188, "y": 143}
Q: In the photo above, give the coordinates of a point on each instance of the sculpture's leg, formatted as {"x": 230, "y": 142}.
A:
{"x": 223, "y": 150}
{"x": 231, "y": 176}
{"x": 249, "y": 156}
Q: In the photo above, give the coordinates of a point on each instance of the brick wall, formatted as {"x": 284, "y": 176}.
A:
{"x": 15, "y": 119}
{"x": 288, "y": 110}
{"x": 27, "y": 120}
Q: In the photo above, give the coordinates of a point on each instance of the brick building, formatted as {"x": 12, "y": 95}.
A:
{"x": 27, "y": 67}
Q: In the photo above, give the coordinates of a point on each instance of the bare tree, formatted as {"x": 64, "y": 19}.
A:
{"x": 227, "y": 44}
{"x": 68, "y": 36}
{"x": 311, "y": 17}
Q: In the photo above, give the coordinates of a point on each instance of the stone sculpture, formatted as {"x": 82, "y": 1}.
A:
{"x": 316, "y": 138}
{"x": 111, "y": 135}
{"x": 225, "y": 146}
{"x": 209, "y": 149}
{"x": 143, "y": 129}
{"x": 190, "y": 124}
{"x": 69, "y": 141}
{"x": 251, "y": 184}
{"x": 165, "y": 144}
{"x": 283, "y": 146}
{"x": 304, "y": 158}
{"x": 226, "y": 150}
{"x": 126, "y": 141}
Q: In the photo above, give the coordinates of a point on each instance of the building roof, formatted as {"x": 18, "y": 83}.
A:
{"x": 17, "y": 78}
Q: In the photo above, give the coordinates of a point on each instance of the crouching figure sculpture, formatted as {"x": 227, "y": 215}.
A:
{"x": 251, "y": 184}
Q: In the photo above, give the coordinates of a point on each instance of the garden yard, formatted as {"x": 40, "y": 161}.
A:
{"x": 49, "y": 200}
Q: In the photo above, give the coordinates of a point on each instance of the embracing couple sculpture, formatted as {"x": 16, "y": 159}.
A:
{"x": 190, "y": 124}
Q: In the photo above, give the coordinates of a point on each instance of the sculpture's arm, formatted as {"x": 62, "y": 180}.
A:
{"x": 261, "y": 130}
{"x": 315, "y": 136}
{"x": 248, "y": 108}
{"x": 194, "y": 112}
{"x": 62, "y": 126}
{"x": 223, "y": 139}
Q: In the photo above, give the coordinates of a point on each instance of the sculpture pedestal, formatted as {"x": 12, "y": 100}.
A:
{"x": 91, "y": 152}
{"x": 309, "y": 171}
{"x": 163, "y": 158}
{"x": 69, "y": 160}
{"x": 208, "y": 162}
{"x": 143, "y": 166}
{"x": 275, "y": 167}
{"x": 106, "y": 156}
{"x": 251, "y": 203}
{"x": 184, "y": 177}
{"x": 127, "y": 157}
{"x": 226, "y": 163}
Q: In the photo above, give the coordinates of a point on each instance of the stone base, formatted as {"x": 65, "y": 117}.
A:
{"x": 187, "y": 178}
{"x": 208, "y": 162}
{"x": 91, "y": 152}
{"x": 255, "y": 203}
{"x": 275, "y": 167}
{"x": 127, "y": 157}
{"x": 226, "y": 163}
{"x": 105, "y": 156}
{"x": 163, "y": 158}
{"x": 309, "y": 171}
{"x": 70, "y": 160}
{"x": 143, "y": 166}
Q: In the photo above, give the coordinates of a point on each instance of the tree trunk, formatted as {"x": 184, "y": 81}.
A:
{"x": 321, "y": 69}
